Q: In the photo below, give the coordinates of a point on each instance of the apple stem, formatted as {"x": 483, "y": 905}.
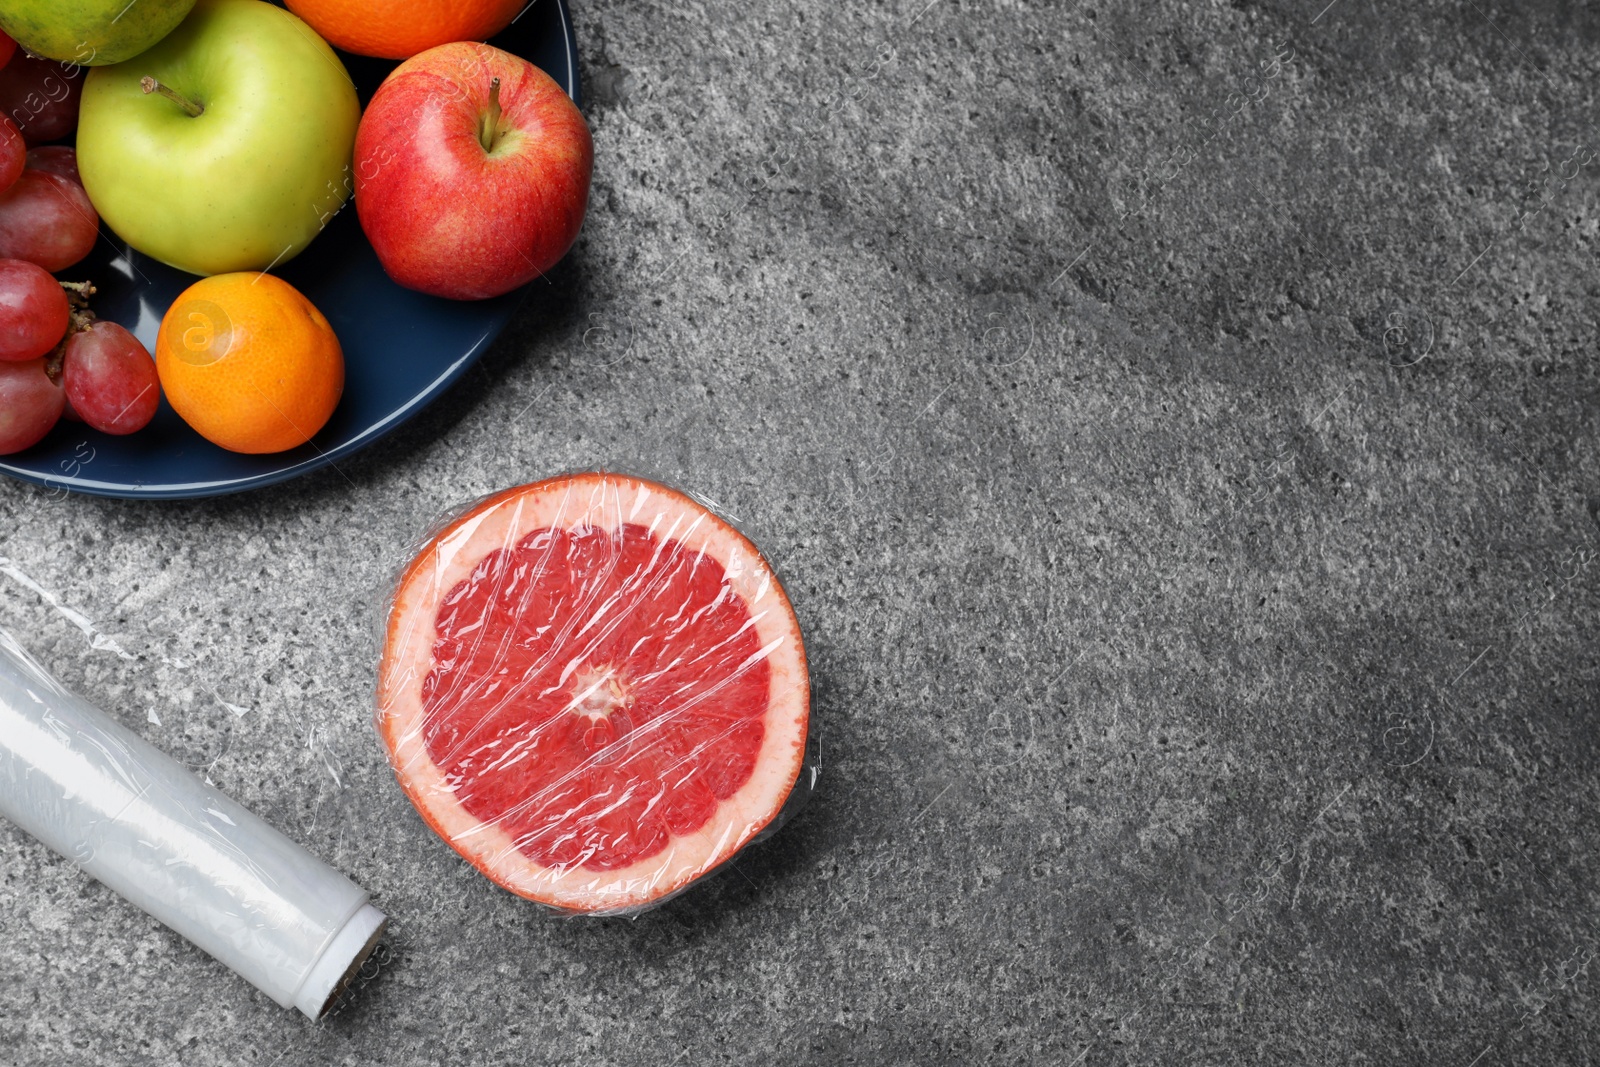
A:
{"x": 190, "y": 108}
{"x": 489, "y": 126}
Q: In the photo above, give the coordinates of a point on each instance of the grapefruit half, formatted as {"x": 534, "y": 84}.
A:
{"x": 594, "y": 689}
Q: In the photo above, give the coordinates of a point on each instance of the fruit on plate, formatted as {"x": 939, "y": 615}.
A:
{"x": 41, "y": 96}
{"x": 33, "y": 310}
{"x": 594, "y": 690}
{"x": 94, "y": 372}
{"x": 47, "y": 219}
{"x": 13, "y": 153}
{"x": 238, "y": 153}
{"x": 249, "y": 363}
{"x": 109, "y": 378}
{"x": 56, "y": 159}
{"x": 472, "y": 172}
{"x": 399, "y": 29}
{"x": 90, "y": 32}
{"x": 30, "y": 404}
{"x": 8, "y": 48}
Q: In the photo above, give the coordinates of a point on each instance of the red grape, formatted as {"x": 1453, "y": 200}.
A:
{"x": 55, "y": 159}
{"x": 13, "y": 153}
{"x": 48, "y": 220}
{"x": 8, "y": 48}
{"x": 30, "y": 404}
{"x": 41, "y": 96}
{"x": 33, "y": 310}
{"x": 110, "y": 379}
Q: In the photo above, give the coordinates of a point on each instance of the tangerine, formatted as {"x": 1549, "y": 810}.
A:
{"x": 248, "y": 362}
{"x": 399, "y": 29}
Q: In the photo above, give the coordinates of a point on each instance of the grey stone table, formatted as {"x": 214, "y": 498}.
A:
{"x": 1176, "y": 425}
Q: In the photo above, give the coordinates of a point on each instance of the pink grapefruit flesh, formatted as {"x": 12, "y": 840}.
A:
{"x": 593, "y": 689}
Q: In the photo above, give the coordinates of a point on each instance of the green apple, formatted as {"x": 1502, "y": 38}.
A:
{"x": 225, "y": 147}
{"x": 91, "y": 33}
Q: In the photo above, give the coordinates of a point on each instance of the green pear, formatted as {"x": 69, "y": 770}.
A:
{"x": 90, "y": 33}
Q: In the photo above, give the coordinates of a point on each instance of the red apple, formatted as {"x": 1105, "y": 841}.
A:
{"x": 8, "y": 48}
{"x": 472, "y": 172}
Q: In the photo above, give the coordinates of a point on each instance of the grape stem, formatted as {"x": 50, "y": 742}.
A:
{"x": 54, "y": 362}
{"x": 190, "y": 108}
{"x": 78, "y": 293}
{"x": 79, "y": 319}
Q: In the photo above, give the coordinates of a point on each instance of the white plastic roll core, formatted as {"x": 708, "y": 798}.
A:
{"x": 140, "y": 822}
{"x": 337, "y": 964}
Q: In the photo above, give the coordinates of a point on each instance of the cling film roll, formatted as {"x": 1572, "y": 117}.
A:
{"x": 140, "y": 822}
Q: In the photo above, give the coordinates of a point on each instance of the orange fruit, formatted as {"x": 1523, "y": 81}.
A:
{"x": 594, "y": 690}
{"x": 249, "y": 362}
{"x": 399, "y": 29}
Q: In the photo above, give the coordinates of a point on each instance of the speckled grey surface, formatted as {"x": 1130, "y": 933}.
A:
{"x": 1188, "y": 485}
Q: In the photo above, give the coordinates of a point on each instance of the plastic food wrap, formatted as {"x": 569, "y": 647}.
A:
{"x": 139, "y": 821}
{"x": 595, "y": 691}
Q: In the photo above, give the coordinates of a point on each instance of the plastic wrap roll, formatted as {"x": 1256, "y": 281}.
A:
{"x": 140, "y": 822}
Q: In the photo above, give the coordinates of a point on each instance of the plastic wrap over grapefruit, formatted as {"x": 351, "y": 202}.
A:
{"x": 595, "y": 690}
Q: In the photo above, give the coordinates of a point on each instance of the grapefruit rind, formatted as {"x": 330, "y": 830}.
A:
{"x": 606, "y": 501}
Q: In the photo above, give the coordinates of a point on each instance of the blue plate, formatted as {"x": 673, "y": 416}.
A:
{"x": 402, "y": 349}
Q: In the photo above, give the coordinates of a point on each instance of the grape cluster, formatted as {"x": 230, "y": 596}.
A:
{"x": 56, "y": 359}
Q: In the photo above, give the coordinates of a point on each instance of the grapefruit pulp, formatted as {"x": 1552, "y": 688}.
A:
{"x": 594, "y": 690}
